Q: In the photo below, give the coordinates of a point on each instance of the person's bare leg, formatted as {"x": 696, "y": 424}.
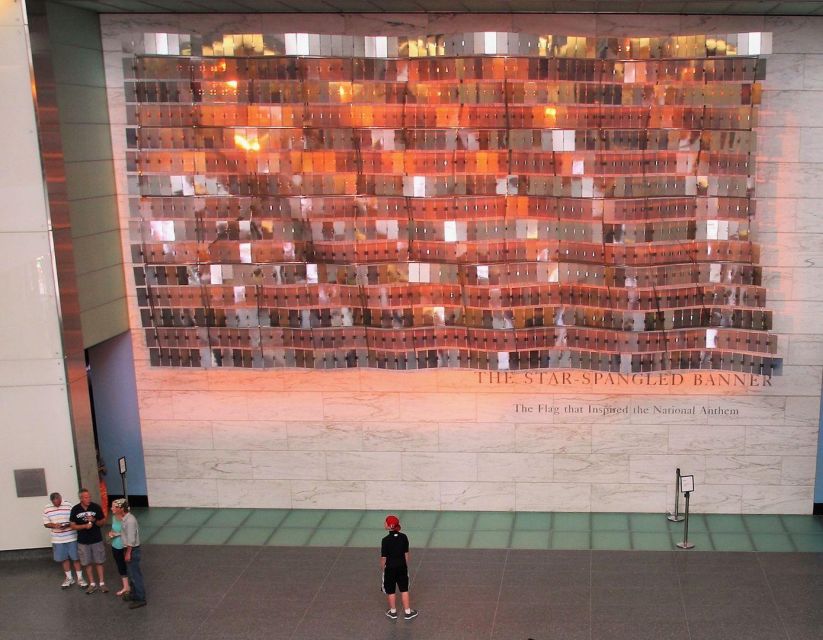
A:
{"x": 392, "y": 600}
{"x": 89, "y": 573}
{"x": 404, "y": 596}
{"x": 66, "y": 566}
{"x": 100, "y": 578}
{"x": 126, "y": 588}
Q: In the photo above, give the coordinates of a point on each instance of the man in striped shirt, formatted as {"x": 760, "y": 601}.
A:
{"x": 63, "y": 538}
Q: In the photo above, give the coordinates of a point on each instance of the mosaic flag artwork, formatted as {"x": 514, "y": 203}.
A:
{"x": 490, "y": 201}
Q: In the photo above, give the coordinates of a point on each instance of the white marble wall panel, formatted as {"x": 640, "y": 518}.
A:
{"x": 702, "y": 439}
{"x": 259, "y": 494}
{"x": 368, "y": 407}
{"x": 596, "y": 467}
{"x": 777, "y": 144}
{"x": 660, "y": 469}
{"x": 250, "y": 435}
{"x": 743, "y": 469}
{"x": 650, "y": 438}
{"x": 200, "y": 492}
{"x": 786, "y": 70}
{"x": 423, "y": 467}
{"x": 811, "y": 146}
{"x": 553, "y": 496}
{"x": 176, "y": 434}
{"x": 447, "y": 440}
{"x": 161, "y": 464}
{"x": 403, "y": 495}
{"x": 477, "y": 436}
{"x": 805, "y": 290}
{"x": 363, "y": 465}
{"x": 629, "y": 497}
{"x": 219, "y": 405}
{"x": 284, "y": 406}
{"x": 477, "y": 496}
{"x": 798, "y": 470}
{"x": 517, "y": 467}
{"x": 194, "y": 463}
{"x": 813, "y": 71}
{"x": 553, "y": 438}
{"x": 783, "y": 499}
{"x": 808, "y": 210}
{"x": 802, "y": 411}
{"x": 780, "y": 440}
{"x": 306, "y": 494}
{"x": 436, "y": 407}
{"x": 707, "y": 498}
{"x": 288, "y": 465}
{"x": 402, "y": 436}
{"x": 325, "y": 436}
{"x": 773, "y": 214}
{"x": 794, "y": 34}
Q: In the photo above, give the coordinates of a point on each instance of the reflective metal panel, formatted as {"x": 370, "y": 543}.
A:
{"x": 476, "y": 200}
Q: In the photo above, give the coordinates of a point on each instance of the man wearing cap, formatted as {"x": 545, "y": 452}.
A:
{"x": 394, "y": 560}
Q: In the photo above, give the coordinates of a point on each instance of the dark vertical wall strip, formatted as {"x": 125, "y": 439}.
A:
{"x": 51, "y": 151}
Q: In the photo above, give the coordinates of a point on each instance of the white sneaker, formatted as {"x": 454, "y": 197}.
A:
{"x": 67, "y": 583}
{"x": 82, "y": 582}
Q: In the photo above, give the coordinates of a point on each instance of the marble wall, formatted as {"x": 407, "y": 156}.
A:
{"x": 459, "y": 440}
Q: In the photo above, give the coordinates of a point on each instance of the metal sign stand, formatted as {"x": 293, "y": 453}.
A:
{"x": 686, "y": 544}
{"x": 675, "y": 516}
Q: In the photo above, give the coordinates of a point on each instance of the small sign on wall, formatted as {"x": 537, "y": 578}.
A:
{"x": 30, "y": 482}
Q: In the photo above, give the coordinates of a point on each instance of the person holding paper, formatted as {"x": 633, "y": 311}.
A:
{"x": 63, "y": 538}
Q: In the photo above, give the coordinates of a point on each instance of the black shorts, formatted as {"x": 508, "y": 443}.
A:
{"x": 397, "y": 578}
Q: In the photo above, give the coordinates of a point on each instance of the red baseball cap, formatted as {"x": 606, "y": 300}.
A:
{"x": 393, "y": 523}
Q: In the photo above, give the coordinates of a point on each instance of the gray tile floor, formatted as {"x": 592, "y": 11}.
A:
{"x": 315, "y": 593}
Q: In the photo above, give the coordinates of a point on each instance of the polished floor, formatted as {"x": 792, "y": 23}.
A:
{"x": 481, "y": 530}
{"x": 329, "y": 593}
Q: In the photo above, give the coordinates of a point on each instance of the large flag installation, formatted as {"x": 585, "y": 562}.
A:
{"x": 490, "y": 201}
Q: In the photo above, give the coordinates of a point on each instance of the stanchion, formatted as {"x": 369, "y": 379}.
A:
{"x": 675, "y": 516}
{"x": 686, "y": 544}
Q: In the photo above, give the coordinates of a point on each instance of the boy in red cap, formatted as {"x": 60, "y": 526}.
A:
{"x": 394, "y": 560}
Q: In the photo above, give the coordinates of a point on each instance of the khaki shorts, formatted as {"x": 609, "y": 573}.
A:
{"x": 92, "y": 553}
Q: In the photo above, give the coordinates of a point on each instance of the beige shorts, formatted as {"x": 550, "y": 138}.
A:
{"x": 92, "y": 553}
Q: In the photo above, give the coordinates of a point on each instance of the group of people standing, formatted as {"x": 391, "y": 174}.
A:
{"x": 77, "y": 538}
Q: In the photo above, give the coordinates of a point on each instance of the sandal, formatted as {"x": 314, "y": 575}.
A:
{"x": 122, "y": 592}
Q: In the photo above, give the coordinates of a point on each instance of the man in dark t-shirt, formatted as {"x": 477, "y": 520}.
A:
{"x": 394, "y": 560}
{"x": 86, "y": 518}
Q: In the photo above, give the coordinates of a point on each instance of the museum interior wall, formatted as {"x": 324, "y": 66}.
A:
{"x": 223, "y": 432}
{"x": 36, "y": 424}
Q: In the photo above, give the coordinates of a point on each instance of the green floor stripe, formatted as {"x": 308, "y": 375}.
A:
{"x": 479, "y": 529}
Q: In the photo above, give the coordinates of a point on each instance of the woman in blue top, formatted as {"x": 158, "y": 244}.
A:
{"x": 117, "y": 546}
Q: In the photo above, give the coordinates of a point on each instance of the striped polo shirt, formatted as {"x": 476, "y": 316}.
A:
{"x": 56, "y": 515}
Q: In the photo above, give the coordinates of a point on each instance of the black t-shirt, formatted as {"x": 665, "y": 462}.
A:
{"x": 82, "y": 515}
{"x": 394, "y": 548}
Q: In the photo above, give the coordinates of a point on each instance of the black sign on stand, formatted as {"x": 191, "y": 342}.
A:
{"x": 121, "y": 465}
